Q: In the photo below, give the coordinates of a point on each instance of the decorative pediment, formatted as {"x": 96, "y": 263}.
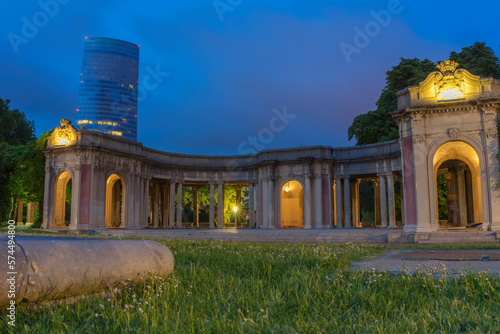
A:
{"x": 449, "y": 84}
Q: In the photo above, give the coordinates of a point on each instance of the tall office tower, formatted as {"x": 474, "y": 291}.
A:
{"x": 107, "y": 100}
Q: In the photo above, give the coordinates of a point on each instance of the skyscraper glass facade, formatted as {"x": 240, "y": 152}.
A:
{"x": 107, "y": 99}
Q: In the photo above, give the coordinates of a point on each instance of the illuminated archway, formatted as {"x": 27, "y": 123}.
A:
{"x": 62, "y": 200}
{"x": 457, "y": 185}
{"x": 115, "y": 201}
{"x": 292, "y": 205}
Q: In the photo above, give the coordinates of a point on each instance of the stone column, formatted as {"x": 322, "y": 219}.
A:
{"x": 30, "y": 212}
{"x": 347, "y": 203}
{"x": 164, "y": 205}
{"x": 211, "y": 221}
{"x": 376, "y": 197}
{"x": 270, "y": 210}
{"x": 146, "y": 199}
{"x": 154, "y": 206}
{"x": 171, "y": 206}
{"x": 76, "y": 183}
{"x": 318, "y": 202}
{"x": 220, "y": 204}
{"x": 133, "y": 198}
{"x": 355, "y": 203}
{"x": 392, "y": 207}
{"x": 265, "y": 202}
{"x": 452, "y": 198}
{"x": 462, "y": 199}
{"x": 383, "y": 202}
{"x": 20, "y": 209}
{"x": 48, "y": 198}
{"x": 196, "y": 213}
{"x": 338, "y": 201}
{"x": 307, "y": 203}
{"x": 489, "y": 173}
{"x": 251, "y": 205}
{"x": 402, "y": 192}
{"x": 179, "y": 205}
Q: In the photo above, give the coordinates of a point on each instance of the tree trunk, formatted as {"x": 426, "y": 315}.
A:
{"x": 13, "y": 212}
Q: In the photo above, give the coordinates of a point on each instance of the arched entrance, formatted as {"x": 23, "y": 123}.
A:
{"x": 292, "y": 205}
{"x": 115, "y": 201}
{"x": 62, "y": 200}
{"x": 457, "y": 185}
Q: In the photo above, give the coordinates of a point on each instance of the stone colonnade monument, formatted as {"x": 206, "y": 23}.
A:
{"x": 448, "y": 131}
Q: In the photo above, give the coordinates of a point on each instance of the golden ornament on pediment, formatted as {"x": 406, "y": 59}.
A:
{"x": 448, "y": 66}
{"x": 64, "y": 135}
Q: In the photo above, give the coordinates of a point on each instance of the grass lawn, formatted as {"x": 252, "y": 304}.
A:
{"x": 223, "y": 287}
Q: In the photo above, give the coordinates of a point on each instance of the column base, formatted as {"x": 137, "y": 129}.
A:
{"x": 495, "y": 227}
{"x": 420, "y": 229}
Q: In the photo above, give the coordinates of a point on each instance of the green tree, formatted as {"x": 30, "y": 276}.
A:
{"x": 22, "y": 163}
{"x": 478, "y": 59}
{"x": 15, "y": 129}
{"x": 27, "y": 178}
{"x": 378, "y": 126}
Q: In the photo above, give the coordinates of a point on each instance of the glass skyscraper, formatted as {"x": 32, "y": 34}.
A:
{"x": 107, "y": 99}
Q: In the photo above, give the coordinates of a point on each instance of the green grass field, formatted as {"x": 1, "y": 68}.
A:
{"x": 223, "y": 287}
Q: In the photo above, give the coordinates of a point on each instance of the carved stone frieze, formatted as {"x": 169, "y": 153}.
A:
{"x": 453, "y": 133}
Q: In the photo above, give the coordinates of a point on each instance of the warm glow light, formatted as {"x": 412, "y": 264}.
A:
{"x": 451, "y": 94}
{"x": 106, "y": 123}
{"x": 63, "y": 141}
{"x": 235, "y": 208}
{"x": 287, "y": 189}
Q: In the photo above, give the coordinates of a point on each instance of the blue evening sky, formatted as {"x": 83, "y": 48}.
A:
{"x": 230, "y": 63}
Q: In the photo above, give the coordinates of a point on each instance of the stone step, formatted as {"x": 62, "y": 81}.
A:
{"x": 335, "y": 236}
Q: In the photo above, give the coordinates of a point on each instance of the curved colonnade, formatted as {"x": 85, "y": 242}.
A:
{"x": 118, "y": 183}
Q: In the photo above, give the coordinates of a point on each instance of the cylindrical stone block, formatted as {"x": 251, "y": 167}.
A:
{"x": 51, "y": 267}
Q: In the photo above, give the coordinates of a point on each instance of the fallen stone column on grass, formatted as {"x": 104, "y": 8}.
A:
{"x": 51, "y": 267}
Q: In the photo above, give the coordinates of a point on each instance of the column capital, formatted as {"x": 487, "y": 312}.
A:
{"x": 355, "y": 181}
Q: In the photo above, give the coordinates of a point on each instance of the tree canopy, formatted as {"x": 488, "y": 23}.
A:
{"x": 22, "y": 163}
{"x": 15, "y": 129}
{"x": 378, "y": 126}
{"x": 478, "y": 59}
